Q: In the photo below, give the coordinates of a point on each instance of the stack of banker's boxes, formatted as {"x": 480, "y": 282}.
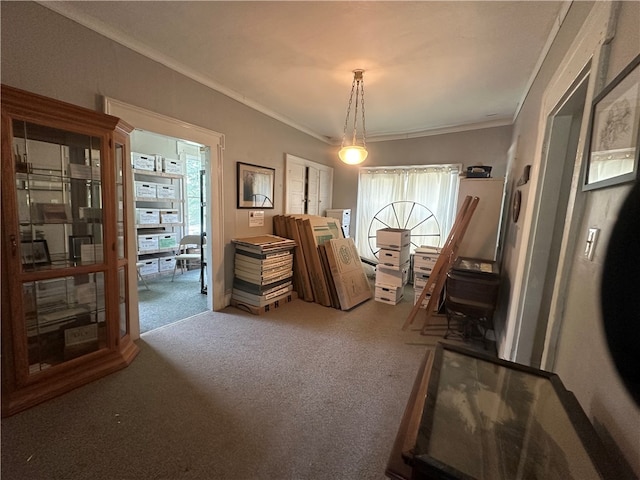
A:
{"x": 392, "y": 272}
{"x": 342, "y": 214}
{"x": 424, "y": 259}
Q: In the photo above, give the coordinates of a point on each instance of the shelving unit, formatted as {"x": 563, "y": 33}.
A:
{"x": 65, "y": 306}
{"x": 159, "y": 201}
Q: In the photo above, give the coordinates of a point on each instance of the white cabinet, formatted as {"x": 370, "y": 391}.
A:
{"x": 481, "y": 238}
{"x": 159, "y": 203}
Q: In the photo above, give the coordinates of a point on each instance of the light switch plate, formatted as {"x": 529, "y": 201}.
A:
{"x": 592, "y": 238}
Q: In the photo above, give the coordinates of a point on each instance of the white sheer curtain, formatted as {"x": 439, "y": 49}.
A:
{"x": 420, "y": 198}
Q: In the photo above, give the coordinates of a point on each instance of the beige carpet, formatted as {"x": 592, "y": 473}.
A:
{"x": 303, "y": 392}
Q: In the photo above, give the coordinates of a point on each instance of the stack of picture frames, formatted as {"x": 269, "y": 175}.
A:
{"x": 325, "y": 263}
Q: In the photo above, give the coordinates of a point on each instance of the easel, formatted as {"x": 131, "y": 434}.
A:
{"x": 447, "y": 256}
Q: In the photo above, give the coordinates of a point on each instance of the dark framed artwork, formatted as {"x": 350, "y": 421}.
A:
{"x": 34, "y": 253}
{"x": 484, "y": 417}
{"x": 255, "y": 186}
{"x": 615, "y": 131}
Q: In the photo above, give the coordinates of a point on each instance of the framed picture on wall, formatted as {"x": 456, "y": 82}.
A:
{"x": 615, "y": 131}
{"x": 255, "y": 186}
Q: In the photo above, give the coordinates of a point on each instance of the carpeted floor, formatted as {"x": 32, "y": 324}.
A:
{"x": 165, "y": 302}
{"x": 303, "y": 392}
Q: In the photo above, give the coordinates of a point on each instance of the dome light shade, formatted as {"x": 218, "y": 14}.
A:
{"x": 355, "y": 153}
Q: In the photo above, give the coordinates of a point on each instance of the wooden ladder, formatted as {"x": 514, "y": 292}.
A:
{"x": 447, "y": 256}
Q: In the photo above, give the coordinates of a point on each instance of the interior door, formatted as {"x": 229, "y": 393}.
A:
{"x": 295, "y": 188}
{"x": 313, "y": 179}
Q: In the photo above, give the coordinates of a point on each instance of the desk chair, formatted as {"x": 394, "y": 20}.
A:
{"x": 182, "y": 257}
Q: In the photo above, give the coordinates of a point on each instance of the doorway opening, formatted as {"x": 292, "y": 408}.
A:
{"x": 150, "y": 121}
{"x": 172, "y": 277}
{"x": 552, "y": 204}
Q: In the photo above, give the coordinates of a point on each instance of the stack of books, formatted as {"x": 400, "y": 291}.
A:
{"x": 263, "y": 270}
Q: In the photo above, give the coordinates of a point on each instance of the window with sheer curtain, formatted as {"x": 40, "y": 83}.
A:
{"x": 420, "y": 198}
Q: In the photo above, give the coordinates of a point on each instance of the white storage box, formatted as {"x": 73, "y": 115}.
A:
{"x": 393, "y": 278}
{"x": 145, "y": 190}
{"x": 171, "y": 166}
{"x": 147, "y": 216}
{"x": 148, "y": 267}
{"x": 420, "y": 280}
{"x": 424, "y": 269}
{"x": 393, "y": 259}
{"x": 393, "y": 238}
{"x": 166, "y": 263}
{"x": 166, "y": 191}
{"x": 169, "y": 216}
{"x": 426, "y": 256}
{"x": 342, "y": 214}
{"x": 147, "y": 242}
{"x": 142, "y": 161}
{"x": 425, "y": 302}
{"x": 393, "y": 294}
{"x": 167, "y": 240}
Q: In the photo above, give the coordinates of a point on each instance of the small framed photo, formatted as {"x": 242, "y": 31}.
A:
{"x": 35, "y": 253}
{"x": 255, "y": 186}
{"x": 614, "y": 146}
{"x": 75, "y": 246}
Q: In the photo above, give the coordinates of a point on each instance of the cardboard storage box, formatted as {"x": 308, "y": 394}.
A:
{"x": 166, "y": 191}
{"x": 426, "y": 256}
{"x": 167, "y": 240}
{"x": 147, "y": 216}
{"x": 142, "y": 161}
{"x": 147, "y": 242}
{"x": 393, "y": 278}
{"x": 145, "y": 190}
{"x": 148, "y": 267}
{"x": 387, "y": 294}
{"x": 393, "y": 238}
{"x": 169, "y": 216}
{"x": 171, "y": 166}
{"x": 166, "y": 263}
{"x": 393, "y": 259}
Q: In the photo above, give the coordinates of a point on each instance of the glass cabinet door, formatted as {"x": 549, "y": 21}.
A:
{"x": 59, "y": 196}
{"x": 120, "y": 153}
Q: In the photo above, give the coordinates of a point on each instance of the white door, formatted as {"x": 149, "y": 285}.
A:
{"x": 312, "y": 191}
{"x": 295, "y": 186}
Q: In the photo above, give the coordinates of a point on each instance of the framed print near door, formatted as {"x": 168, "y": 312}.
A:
{"x": 255, "y": 186}
{"x": 615, "y": 131}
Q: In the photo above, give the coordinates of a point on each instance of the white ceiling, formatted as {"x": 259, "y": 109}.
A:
{"x": 429, "y": 66}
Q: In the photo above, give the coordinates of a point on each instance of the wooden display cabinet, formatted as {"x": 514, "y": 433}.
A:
{"x": 64, "y": 251}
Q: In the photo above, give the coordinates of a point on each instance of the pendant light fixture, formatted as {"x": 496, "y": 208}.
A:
{"x": 355, "y": 152}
